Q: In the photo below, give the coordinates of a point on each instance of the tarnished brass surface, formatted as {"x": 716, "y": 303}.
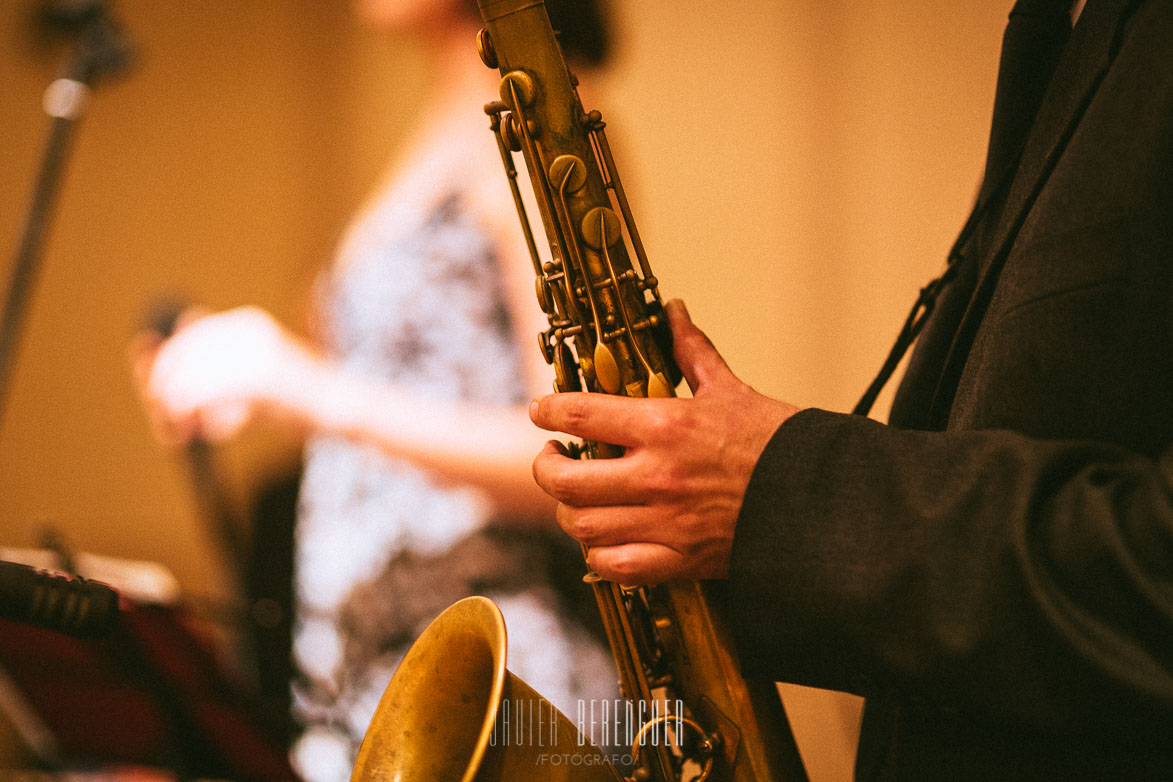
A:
{"x": 453, "y": 712}
{"x": 607, "y": 333}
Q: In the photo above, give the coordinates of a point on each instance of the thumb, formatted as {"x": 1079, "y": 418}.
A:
{"x": 696, "y": 356}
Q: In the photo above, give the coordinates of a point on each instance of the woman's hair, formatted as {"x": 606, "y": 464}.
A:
{"x": 581, "y": 26}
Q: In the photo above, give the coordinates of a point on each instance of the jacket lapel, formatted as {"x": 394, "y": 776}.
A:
{"x": 1079, "y": 73}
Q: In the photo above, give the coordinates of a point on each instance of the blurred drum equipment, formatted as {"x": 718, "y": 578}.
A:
{"x": 91, "y": 678}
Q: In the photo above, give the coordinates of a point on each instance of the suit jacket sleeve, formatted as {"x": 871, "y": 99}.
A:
{"x": 1005, "y": 577}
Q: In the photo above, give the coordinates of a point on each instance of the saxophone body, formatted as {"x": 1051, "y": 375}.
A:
{"x": 608, "y": 334}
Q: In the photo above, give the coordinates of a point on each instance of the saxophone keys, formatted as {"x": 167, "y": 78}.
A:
{"x": 485, "y": 49}
{"x": 606, "y": 369}
{"x": 511, "y": 133}
{"x": 565, "y": 370}
{"x": 546, "y": 345}
{"x": 569, "y": 172}
{"x": 600, "y": 228}
{"x": 518, "y": 87}
{"x": 542, "y": 289}
{"x": 658, "y": 387}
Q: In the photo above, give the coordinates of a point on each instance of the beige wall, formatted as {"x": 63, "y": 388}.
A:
{"x": 221, "y": 168}
{"x": 798, "y": 169}
{"x": 802, "y": 168}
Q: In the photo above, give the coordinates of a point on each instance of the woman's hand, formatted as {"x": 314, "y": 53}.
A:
{"x": 218, "y": 372}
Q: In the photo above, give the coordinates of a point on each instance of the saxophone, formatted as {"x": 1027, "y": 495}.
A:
{"x": 608, "y": 333}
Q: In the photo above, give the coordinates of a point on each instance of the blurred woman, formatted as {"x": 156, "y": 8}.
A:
{"x": 417, "y": 488}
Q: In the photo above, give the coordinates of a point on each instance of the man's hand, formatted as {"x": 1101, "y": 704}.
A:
{"x": 668, "y": 507}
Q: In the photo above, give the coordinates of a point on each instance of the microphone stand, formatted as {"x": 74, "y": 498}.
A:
{"x": 100, "y": 49}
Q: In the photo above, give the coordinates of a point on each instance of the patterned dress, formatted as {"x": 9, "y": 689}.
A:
{"x": 381, "y": 546}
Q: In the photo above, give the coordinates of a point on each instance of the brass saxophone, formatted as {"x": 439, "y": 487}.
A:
{"x": 608, "y": 333}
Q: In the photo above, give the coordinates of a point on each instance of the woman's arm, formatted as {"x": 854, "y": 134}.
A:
{"x": 225, "y": 370}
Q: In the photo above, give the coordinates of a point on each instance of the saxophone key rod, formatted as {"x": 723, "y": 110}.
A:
{"x": 670, "y": 641}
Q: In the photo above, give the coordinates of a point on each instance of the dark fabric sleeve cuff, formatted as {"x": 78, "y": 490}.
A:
{"x": 777, "y": 570}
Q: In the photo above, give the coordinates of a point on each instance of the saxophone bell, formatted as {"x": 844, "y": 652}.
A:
{"x": 452, "y": 711}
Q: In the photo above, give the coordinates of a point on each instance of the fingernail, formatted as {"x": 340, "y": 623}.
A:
{"x": 677, "y": 307}
{"x": 533, "y": 409}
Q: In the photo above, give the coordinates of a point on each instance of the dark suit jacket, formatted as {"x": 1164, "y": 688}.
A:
{"x": 994, "y": 571}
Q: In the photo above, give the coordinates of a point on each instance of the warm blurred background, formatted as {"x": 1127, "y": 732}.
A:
{"x": 798, "y": 169}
